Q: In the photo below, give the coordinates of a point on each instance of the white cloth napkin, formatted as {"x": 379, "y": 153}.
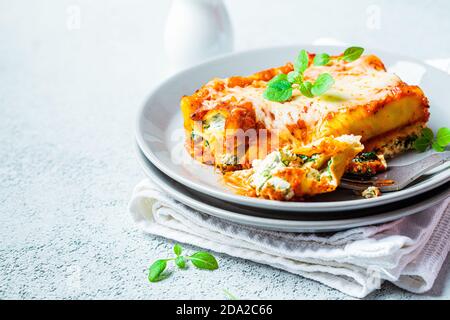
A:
{"x": 408, "y": 252}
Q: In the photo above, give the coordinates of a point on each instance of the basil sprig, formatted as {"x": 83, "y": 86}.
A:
{"x": 427, "y": 139}
{"x": 280, "y": 88}
{"x": 200, "y": 259}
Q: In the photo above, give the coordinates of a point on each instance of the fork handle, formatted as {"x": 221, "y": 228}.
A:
{"x": 421, "y": 167}
{"x": 418, "y": 168}
{"x": 432, "y": 161}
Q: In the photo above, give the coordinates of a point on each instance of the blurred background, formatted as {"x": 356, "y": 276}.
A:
{"x": 125, "y": 38}
{"x": 73, "y": 74}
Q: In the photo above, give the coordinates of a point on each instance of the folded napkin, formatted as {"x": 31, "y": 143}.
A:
{"x": 408, "y": 252}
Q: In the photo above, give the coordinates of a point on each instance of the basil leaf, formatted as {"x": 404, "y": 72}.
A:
{"x": 180, "y": 262}
{"x": 301, "y": 63}
{"x": 443, "y": 137}
{"x": 427, "y": 133}
{"x": 353, "y": 53}
{"x": 321, "y": 59}
{"x": 323, "y": 83}
{"x": 156, "y": 269}
{"x": 295, "y": 77}
{"x": 177, "y": 249}
{"x": 437, "y": 147}
{"x": 277, "y": 78}
{"x": 279, "y": 91}
{"x": 281, "y": 84}
{"x": 204, "y": 260}
{"x": 421, "y": 144}
{"x": 305, "y": 89}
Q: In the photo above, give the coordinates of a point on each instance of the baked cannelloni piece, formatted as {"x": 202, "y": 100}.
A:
{"x": 293, "y": 174}
{"x": 229, "y": 123}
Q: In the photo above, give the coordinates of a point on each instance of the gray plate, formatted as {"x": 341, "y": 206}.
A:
{"x": 160, "y": 135}
{"x": 289, "y": 221}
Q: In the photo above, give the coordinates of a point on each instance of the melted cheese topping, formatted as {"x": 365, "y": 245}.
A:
{"x": 356, "y": 84}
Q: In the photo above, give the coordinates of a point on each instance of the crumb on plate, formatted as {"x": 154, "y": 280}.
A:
{"x": 371, "y": 192}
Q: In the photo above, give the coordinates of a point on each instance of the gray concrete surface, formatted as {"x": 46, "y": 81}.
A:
{"x": 69, "y": 93}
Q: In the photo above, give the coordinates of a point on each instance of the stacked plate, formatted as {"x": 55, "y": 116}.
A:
{"x": 160, "y": 151}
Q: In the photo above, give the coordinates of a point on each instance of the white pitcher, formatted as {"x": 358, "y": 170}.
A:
{"x": 196, "y": 30}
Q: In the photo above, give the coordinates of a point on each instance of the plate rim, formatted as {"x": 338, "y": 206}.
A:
{"x": 264, "y": 203}
{"x": 282, "y": 224}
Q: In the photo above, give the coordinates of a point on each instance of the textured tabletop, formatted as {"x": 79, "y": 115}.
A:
{"x": 69, "y": 93}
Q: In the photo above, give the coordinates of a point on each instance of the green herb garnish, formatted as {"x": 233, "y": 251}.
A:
{"x": 302, "y": 62}
{"x": 204, "y": 260}
{"x": 323, "y": 83}
{"x": 180, "y": 262}
{"x": 295, "y": 77}
{"x": 305, "y": 89}
{"x": 177, "y": 249}
{"x": 156, "y": 269}
{"x": 322, "y": 59}
{"x": 280, "y": 88}
{"x": 278, "y": 77}
{"x": 427, "y": 139}
{"x": 443, "y": 137}
{"x": 200, "y": 259}
{"x": 437, "y": 147}
{"x": 352, "y": 54}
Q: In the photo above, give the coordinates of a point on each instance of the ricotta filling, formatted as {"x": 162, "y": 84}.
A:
{"x": 263, "y": 178}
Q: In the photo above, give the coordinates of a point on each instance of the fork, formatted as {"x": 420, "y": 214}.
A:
{"x": 397, "y": 177}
